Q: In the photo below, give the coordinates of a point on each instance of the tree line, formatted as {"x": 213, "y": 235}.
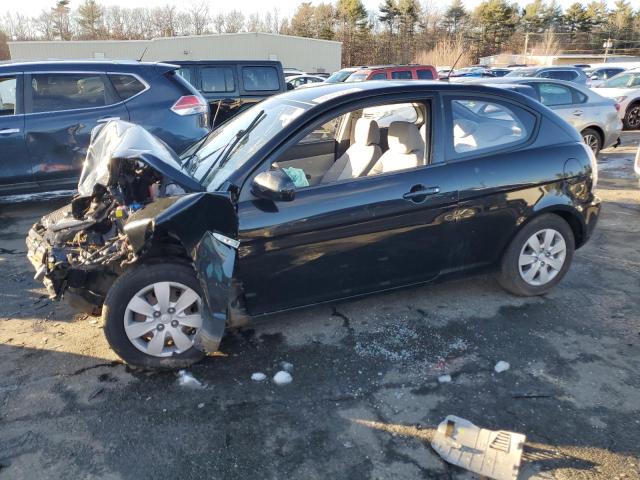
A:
{"x": 400, "y": 31}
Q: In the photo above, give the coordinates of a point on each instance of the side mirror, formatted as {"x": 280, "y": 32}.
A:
{"x": 274, "y": 185}
{"x": 290, "y": 86}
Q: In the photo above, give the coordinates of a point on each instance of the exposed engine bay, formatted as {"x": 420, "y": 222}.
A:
{"x": 80, "y": 249}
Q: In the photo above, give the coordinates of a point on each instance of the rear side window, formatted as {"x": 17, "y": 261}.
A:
{"x": 478, "y": 125}
{"x": 53, "y": 92}
{"x": 126, "y": 85}
{"x": 186, "y": 73}
{"x": 401, "y": 75}
{"x": 384, "y": 115}
{"x": 217, "y": 79}
{"x": 8, "y": 96}
{"x": 425, "y": 75}
{"x": 554, "y": 95}
{"x": 258, "y": 79}
{"x": 379, "y": 76}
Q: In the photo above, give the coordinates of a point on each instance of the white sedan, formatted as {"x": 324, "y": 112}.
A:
{"x": 624, "y": 88}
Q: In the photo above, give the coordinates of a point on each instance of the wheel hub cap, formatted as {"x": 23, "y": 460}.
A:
{"x": 542, "y": 257}
{"x": 162, "y": 319}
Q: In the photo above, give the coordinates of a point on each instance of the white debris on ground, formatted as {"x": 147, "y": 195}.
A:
{"x": 186, "y": 379}
{"x": 200, "y": 405}
{"x": 282, "y": 378}
{"x": 286, "y": 366}
{"x": 444, "y": 378}
{"x": 502, "y": 366}
{"x": 258, "y": 377}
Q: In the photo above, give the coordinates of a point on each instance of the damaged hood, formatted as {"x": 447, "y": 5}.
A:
{"x": 119, "y": 140}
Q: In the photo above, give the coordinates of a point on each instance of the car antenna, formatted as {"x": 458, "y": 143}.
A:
{"x": 143, "y": 53}
{"x": 454, "y": 65}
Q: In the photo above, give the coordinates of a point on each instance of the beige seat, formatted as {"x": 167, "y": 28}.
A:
{"x": 406, "y": 149}
{"x": 359, "y": 157}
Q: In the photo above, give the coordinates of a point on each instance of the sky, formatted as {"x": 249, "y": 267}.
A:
{"x": 286, "y": 7}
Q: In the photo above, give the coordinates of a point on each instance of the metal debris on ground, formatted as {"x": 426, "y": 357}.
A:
{"x": 502, "y": 366}
{"x": 494, "y": 454}
{"x": 186, "y": 379}
{"x": 282, "y": 378}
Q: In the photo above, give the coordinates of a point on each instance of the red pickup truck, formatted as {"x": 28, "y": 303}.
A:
{"x": 394, "y": 72}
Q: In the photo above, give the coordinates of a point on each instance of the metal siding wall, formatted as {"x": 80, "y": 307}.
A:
{"x": 304, "y": 53}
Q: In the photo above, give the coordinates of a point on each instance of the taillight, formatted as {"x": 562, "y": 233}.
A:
{"x": 190, "y": 105}
{"x": 617, "y": 107}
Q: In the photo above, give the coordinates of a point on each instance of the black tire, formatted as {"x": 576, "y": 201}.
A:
{"x": 590, "y": 133}
{"x": 115, "y": 304}
{"x": 509, "y": 275}
{"x": 631, "y": 118}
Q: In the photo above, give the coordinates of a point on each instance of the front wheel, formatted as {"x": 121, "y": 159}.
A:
{"x": 152, "y": 314}
{"x": 538, "y": 257}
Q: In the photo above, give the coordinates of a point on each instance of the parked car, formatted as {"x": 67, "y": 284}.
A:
{"x": 313, "y": 196}
{"x": 394, "y": 72}
{"x": 48, "y": 109}
{"x": 624, "y": 88}
{"x": 300, "y": 80}
{"x": 471, "y": 72}
{"x": 597, "y": 75}
{"x": 564, "y": 72}
{"x": 231, "y": 86}
{"x": 443, "y": 71}
{"x": 324, "y": 75}
{"x": 342, "y": 75}
{"x": 594, "y": 116}
{"x": 290, "y": 72}
{"x": 499, "y": 72}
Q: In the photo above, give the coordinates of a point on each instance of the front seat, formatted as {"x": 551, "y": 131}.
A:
{"x": 406, "y": 149}
{"x": 359, "y": 157}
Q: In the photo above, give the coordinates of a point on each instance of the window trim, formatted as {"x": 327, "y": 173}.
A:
{"x": 28, "y": 93}
{"x": 20, "y": 103}
{"x": 450, "y": 154}
{"x": 435, "y": 152}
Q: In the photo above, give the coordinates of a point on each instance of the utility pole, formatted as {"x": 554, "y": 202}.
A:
{"x": 607, "y": 45}
{"x": 526, "y": 44}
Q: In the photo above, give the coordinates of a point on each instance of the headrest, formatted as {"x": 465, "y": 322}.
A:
{"x": 462, "y": 127}
{"x": 404, "y": 137}
{"x": 367, "y": 132}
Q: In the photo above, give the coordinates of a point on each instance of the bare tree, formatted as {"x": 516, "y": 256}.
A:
{"x": 61, "y": 18}
{"x": 218, "y": 23}
{"x": 199, "y": 14}
{"x": 45, "y": 25}
{"x": 233, "y": 21}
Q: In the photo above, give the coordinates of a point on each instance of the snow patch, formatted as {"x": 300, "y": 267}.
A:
{"x": 502, "y": 366}
{"x": 282, "y": 378}
{"x": 258, "y": 377}
{"x": 186, "y": 379}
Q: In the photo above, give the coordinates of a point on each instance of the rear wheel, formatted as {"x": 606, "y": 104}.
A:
{"x": 152, "y": 314}
{"x": 592, "y": 139}
{"x": 631, "y": 119}
{"x": 538, "y": 257}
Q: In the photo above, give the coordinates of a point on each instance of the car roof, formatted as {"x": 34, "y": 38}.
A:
{"x": 36, "y": 65}
{"x": 325, "y": 92}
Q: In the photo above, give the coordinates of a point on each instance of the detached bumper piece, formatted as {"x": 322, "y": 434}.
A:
{"x": 493, "y": 454}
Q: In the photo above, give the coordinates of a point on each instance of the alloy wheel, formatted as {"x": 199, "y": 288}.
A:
{"x": 633, "y": 117}
{"x": 592, "y": 141}
{"x": 163, "y": 318}
{"x": 542, "y": 257}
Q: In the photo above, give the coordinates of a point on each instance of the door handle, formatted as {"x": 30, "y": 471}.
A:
{"x": 107, "y": 119}
{"x": 419, "y": 193}
{"x": 7, "y": 131}
{"x": 577, "y": 113}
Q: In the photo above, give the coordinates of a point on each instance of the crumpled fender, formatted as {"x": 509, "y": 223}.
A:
{"x": 206, "y": 224}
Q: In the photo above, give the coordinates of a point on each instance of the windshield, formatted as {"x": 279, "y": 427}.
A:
{"x": 356, "y": 77}
{"x": 623, "y": 80}
{"x": 339, "y": 76}
{"x": 522, "y": 72}
{"x": 236, "y": 141}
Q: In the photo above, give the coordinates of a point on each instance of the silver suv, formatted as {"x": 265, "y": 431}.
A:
{"x": 566, "y": 73}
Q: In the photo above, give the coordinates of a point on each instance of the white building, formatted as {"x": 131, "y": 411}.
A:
{"x": 307, "y": 54}
{"x": 503, "y": 59}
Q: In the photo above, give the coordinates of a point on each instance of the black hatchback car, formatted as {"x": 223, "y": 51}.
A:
{"x": 313, "y": 196}
{"x": 48, "y": 109}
